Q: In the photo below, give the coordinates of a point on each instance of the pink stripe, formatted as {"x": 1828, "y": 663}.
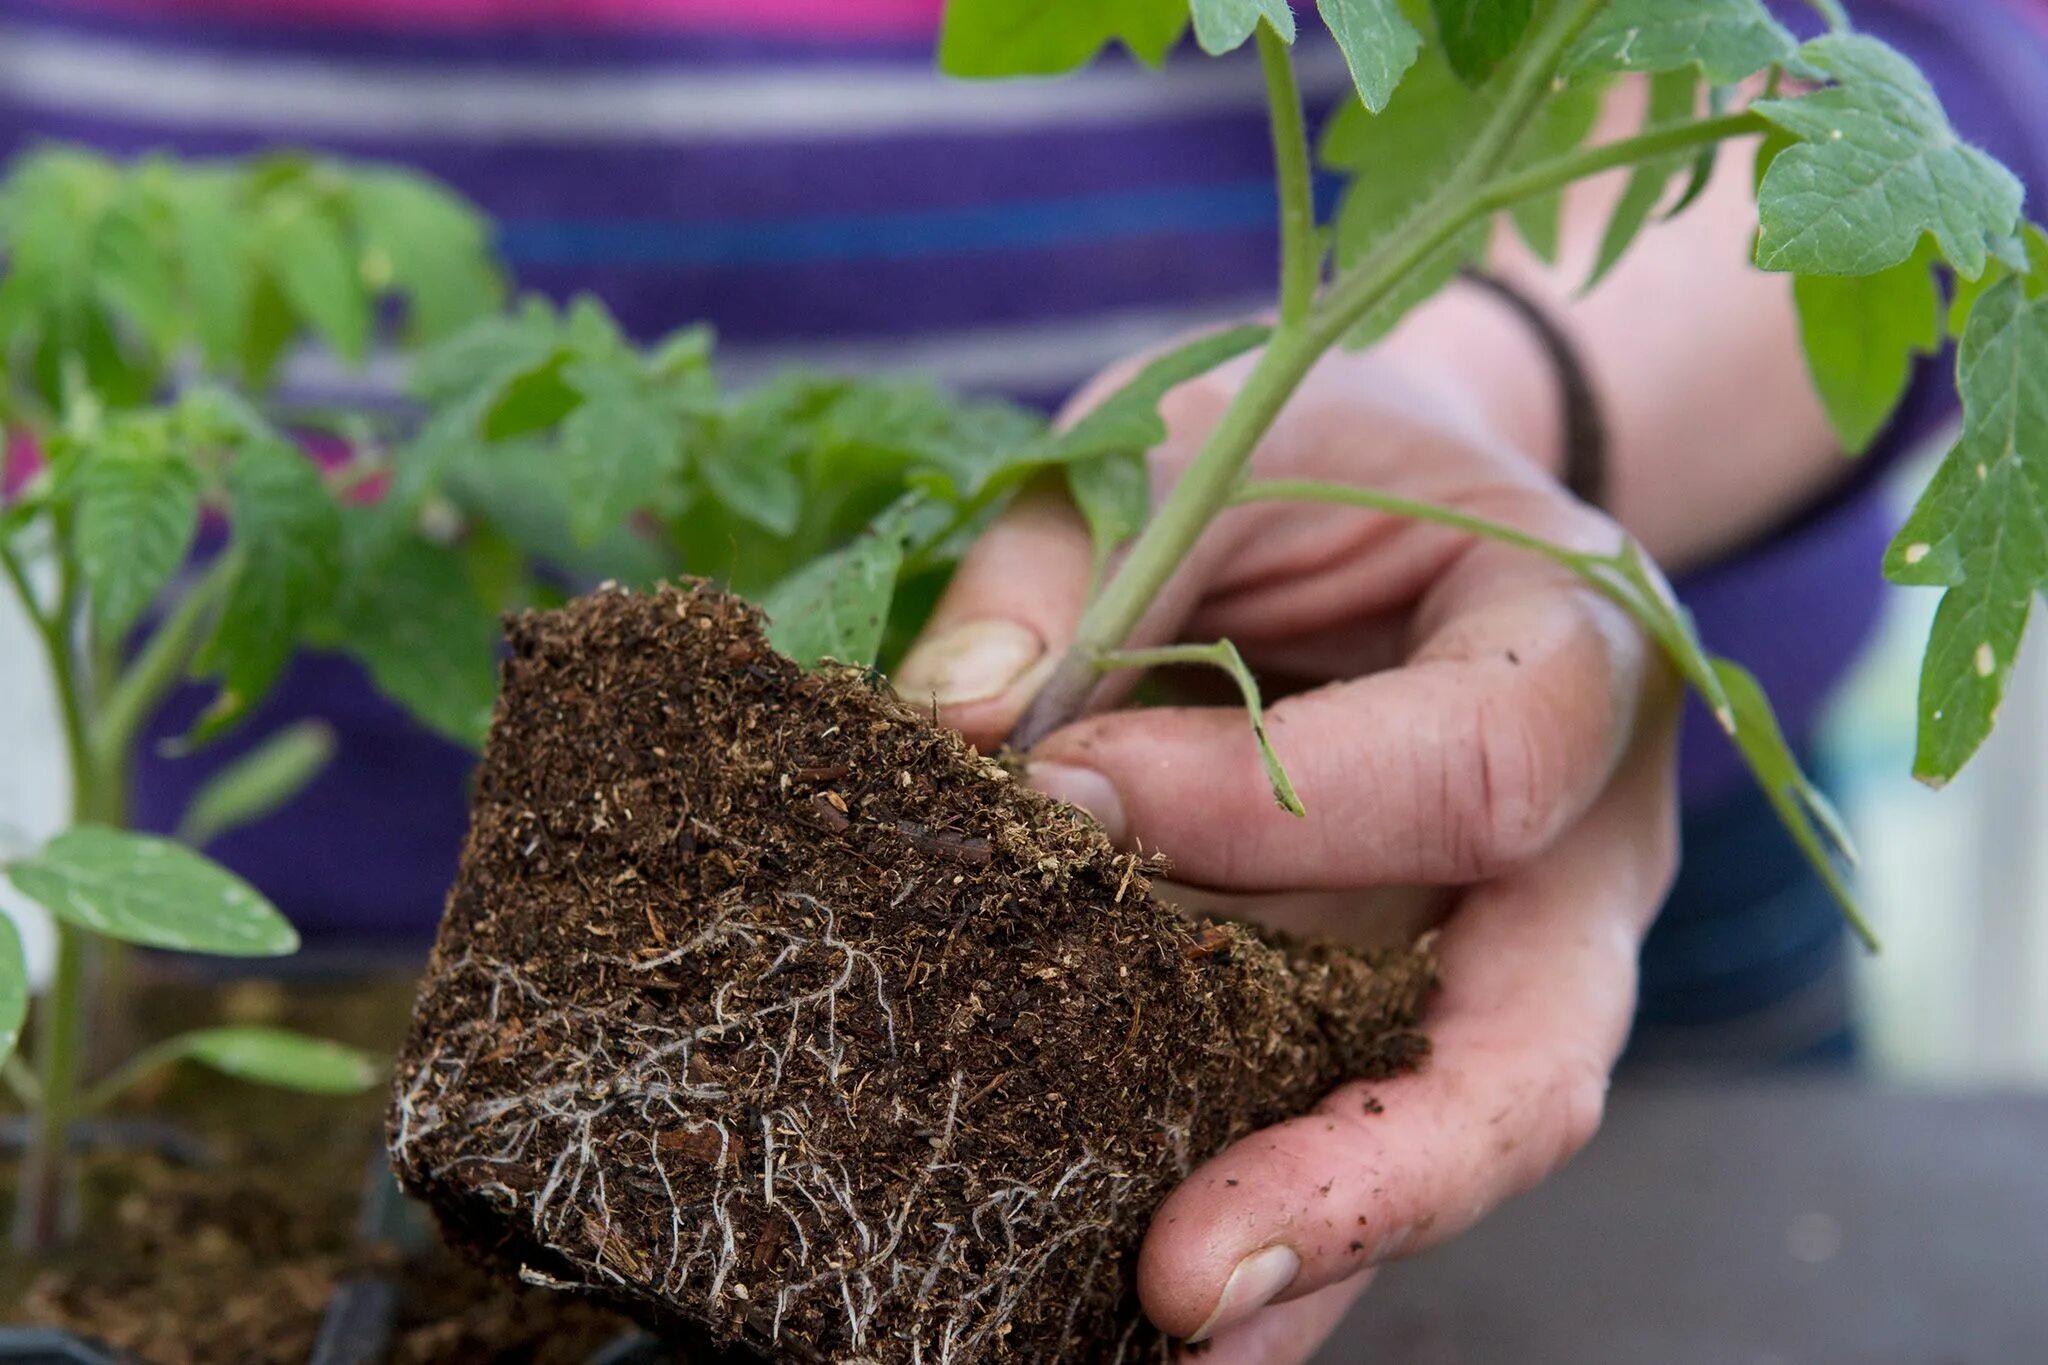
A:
{"x": 870, "y": 18}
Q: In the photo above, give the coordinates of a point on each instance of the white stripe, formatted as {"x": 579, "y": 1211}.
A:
{"x": 300, "y": 96}
{"x": 1035, "y": 357}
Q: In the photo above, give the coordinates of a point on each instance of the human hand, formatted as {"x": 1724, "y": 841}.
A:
{"x": 1480, "y": 740}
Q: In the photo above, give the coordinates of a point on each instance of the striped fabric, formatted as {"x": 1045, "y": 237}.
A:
{"x": 795, "y": 172}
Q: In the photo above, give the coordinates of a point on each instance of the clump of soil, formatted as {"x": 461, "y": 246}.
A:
{"x": 763, "y": 1006}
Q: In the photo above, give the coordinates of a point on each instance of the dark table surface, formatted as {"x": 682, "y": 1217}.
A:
{"x": 1789, "y": 1224}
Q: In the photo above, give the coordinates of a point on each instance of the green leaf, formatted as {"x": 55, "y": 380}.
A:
{"x": 1801, "y": 807}
{"x": 837, "y": 606}
{"x": 1980, "y": 529}
{"x": 309, "y": 256}
{"x": 1861, "y": 333}
{"x": 1128, "y": 420}
{"x": 1047, "y": 37}
{"x": 1477, "y": 34}
{"x": 1726, "y": 39}
{"x": 13, "y": 988}
{"x": 287, "y": 536}
{"x": 753, "y": 477}
{"x": 257, "y": 783}
{"x": 622, "y": 443}
{"x": 1560, "y": 125}
{"x": 1674, "y": 95}
{"x": 138, "y": 511}
{"x": 1878, "y": 168}
{"x": 1964, "y": 295}
{"x": 486, "y": 355}
{"x": 214, "y": 252}
{"x": 1221, "y": 654}
{"x": 1378, "y": 42}
{"x": 1222, "y": 25}
{"x": 412, "y": 617}
{"x": 1396, "y": 159}
{"x": 140, "y": 889}
{"x": 266, "y": 1056}
{"x": 431, "y": 243}
{"x": 1114, "y": 496}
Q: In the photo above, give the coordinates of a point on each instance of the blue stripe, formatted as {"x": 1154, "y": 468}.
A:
{"x": 1232, "y": 205}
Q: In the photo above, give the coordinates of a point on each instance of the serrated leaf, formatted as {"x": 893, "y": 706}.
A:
{"x": 287, "y": 537}
{"x": 1726, "y": 39}
{"x": 141, "y": 889}
{"x": 837, "y": 606}
{"x": 135, "y": 273}
{"x": 258, "y": 782}
{"x": 1878, "y": 168}
{"x": 13, "y": 988}
{"x": 213, "y": 252}
{"x": 1860, "y": 334}
{"x": 138, "y": 512}
{"x": 487, "y": 354}
{"x": 1223, "y": 25}
{"x": 267, "y": 1056}
{"x": 1128, "y": 420}
{"x": 1395, "y": 159}
{"x": 1801, "y": 807}
{"x": 309, "y": 256}
{"x": 1114, "y": 496}
{"x": 753, "y": 478}
{"x": 1980, "y": 529}
{"x": 1047, "y": 37}
{"x": 412, "y": 617}
{"x": 1477, "y": 34}
{"x": 622, "y": 442}
{"x": 1563, "y": 122}
{"x": 1965, "y": 293}
{"x": 1378, "y": 42}
{"x": 1674, "y": 96}
{"x": 433, "y": 245}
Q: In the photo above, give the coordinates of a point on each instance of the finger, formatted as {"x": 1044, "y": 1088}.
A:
{"x": 1003, "y": 621}
{"x": 1539, "y": 984}
{"x": 1464, "y": 763}
{"x": 1286, "y": 1333}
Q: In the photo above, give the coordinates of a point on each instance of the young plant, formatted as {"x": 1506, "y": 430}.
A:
{"x": 119, "y": 279}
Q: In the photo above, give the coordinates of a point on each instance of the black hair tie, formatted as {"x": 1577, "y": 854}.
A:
{"x": 1585, "y": 434}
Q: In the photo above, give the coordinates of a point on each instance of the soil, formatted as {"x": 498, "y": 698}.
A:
{"x": 766, "y": 1008}
{"x": 236, "y": 1262}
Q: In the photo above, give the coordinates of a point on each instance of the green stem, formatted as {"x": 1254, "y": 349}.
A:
{"x": 22, "y": 1081}
{"x": 42, "y": 1205}
{"x": 157, "y": 669}
{"x": 1508, "y": 190}
{"x": 1300, "y": 253}
{"x": 1316, "y": 490}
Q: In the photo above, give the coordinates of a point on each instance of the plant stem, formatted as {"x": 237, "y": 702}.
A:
{"x": 156, "y": 670}
{"x": 42, "y": 1204}
{"x": 1317, "y": 490}
{"x": 1301, "y": 255}
{"x": 1559, "y": 171}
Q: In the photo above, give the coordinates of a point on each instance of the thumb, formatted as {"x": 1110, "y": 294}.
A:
{"x": 1003, "y": 622}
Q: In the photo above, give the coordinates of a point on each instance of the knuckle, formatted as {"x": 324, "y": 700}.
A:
{"x": 1580, "y": 1100}
{"x": 1504, "y": 801}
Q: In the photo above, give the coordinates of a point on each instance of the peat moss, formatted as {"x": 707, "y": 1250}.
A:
{"x": 766, "y": 1008}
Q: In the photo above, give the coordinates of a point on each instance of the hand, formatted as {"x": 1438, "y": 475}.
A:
{"x": 1480, "y": 740}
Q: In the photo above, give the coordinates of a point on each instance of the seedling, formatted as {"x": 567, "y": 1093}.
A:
{"x": 119, "y": 278}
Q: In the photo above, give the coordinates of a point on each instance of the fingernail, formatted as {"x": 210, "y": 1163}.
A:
{"x": 1084, "y": 787}
{"x": 1258, "y": 1279}
{"x": 974, "y": 662}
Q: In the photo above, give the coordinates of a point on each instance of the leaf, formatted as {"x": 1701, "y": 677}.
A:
{"x": 1129, "y": 419}
{"x": 1560, "y": 125}
{"x": 1114, "y": 496}
{"x": 13, "y": 988}
{"x": 257, "y": 783}
{"x": 1222, "y": 25}
{"x": 141, "y": 889}
{"x": 309, "y": 257}
{"x": 287, "y": 535}
{"x": 266, "y": 1056}
{"x": 1379, "y": 45}
{"x": 1395, "y": 159}
{"x": 837, "y": 606}
{"x": 1048, "y": 37}
{"x": 1726, "y": 39}
{"x": 1965, "y": 293}
{"x": 621, "y": 442}
{"x": 214, "y": 252}
{"x": 1861, "y": 333}
{"x": 138, "y": 511}
{"x": 753, "y": 477}
{"x": 1801, "y": 807}
{"x": 1879, "y": 167}
{"x": 1674, "y": 95}
{"x": 487, "y": 354}
{"x": 412, "y": 617}
{"x": 431, "y": 243}
{"x": 1980, "y": 529}
{"x": 1221, "y": 654}
{"x": 1477, "y": 34}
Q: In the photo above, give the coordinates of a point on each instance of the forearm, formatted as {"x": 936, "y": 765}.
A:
{"x": 1713, "y": 430}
